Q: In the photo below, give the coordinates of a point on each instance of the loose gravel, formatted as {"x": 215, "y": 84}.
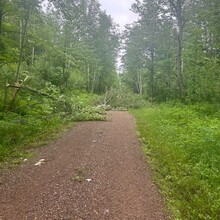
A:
{"x": 96, "y": 171}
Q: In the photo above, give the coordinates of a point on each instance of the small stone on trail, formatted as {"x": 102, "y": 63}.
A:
{"x": 40, "y": 162}
{"x": 106, "y": 211}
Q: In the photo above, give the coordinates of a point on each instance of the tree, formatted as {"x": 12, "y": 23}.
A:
{"x": 147, "y": 38}
{"x": 133, "y": 58}
{"x": 105, "y": 45}
{"x": 176, "y": 45}
{"x": 85, "y": 22}
{"x": 26, "y": 7}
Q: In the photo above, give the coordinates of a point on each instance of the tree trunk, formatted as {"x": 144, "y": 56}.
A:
{"x": 179, "y": 49}
{"x": 152, "y": 70}
{"x": 177, "y": 7}
{"x": 13, "y": 98}
{"x": 93, "y": 82}
{"x": 1, "y": 18}
{"x": 22, "y": 41}
{"x": 179, "y": 66}
{"x": 33, "y": 56}
{"x": 5, "y": 97}
{"x": 88, "y": 80}
{"x": 139, "y": 82}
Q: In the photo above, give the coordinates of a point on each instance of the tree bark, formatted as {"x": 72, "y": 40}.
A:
{"x": 22, "y": 40}
{"x": 179, "y": 49}
{"x": 88, "y": 76}
{"x": 152, "y": 72}
{"x": 139, "y": 82}
{"x": 177, "y": 8}
{"x": 179, "y": 65}
{"x": 1, "y": 18}
{"x": 19, "y": 87}
{"x": 5, "y": 97}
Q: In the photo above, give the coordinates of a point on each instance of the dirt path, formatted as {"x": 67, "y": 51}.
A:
{"x": 95, "y": 171}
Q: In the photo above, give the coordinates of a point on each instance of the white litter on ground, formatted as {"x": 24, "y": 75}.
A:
{"x": 40, "y": 162}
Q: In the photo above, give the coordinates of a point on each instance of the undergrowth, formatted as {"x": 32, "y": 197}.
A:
{"x": 17, "y": 133}
{"x": 39, "y": 123}
{"x": 182, "y": 144}
{"x": 121, "y": 99}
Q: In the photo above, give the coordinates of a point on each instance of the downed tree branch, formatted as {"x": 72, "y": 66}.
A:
{"x": 106, "y": 99}
{"x": 18, "y": 86}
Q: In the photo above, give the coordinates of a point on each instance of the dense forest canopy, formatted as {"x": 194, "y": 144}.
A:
{"x": 55, "y": 48}
{"x": 173, "y": 50}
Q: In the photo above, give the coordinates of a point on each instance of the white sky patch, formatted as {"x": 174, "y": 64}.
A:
{"x": 121, "y": 14}
{"x": 119, "y": 11}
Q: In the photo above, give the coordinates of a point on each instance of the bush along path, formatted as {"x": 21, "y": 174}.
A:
{"x": 95, "y": 171}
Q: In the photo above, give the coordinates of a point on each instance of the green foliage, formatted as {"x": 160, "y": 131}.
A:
{"x": 89, "y": 113}
{"x": 176, "y": 45}
{"x": 38, "y": 119}
{"x": 182, "y": 144}
{"x": 83, "y": 108}
{"x": 19, "y": 132}
{"x": 53, "y": 59}
{"x": 121, "y": 99}
{"x": 71, "y": 46}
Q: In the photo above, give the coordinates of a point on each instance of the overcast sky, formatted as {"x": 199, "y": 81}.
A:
{"x": 119, "y": 10}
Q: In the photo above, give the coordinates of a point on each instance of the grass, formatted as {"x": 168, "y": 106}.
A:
{"x": 34, "y": 126}
{"x": 19, "y": 133}
{"x": 182, "y": 144}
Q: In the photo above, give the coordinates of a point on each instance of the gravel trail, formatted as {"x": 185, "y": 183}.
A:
{"x": 95, "y": 171}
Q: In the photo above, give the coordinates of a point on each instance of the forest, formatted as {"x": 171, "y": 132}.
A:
{"x": 54, "y": 57}
{"x": 58, "y": 65}
{"x": 172, "y": 52}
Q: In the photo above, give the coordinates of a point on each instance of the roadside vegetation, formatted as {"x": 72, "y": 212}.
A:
{"x": 35, "y": 126}
{"x": 182, "y": 145}
{"x": 172, "y": 55}
{"x": 55, "y": 59}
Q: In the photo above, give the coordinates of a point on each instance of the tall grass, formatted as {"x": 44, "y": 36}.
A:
{"x": 182, "y": 143}
{"x": 17, "y": 133}
{"x": 35, "y": 125}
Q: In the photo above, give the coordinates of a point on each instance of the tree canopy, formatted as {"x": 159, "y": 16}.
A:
{"x": 173, "y": 50}
{"x": 66, "y": 45}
